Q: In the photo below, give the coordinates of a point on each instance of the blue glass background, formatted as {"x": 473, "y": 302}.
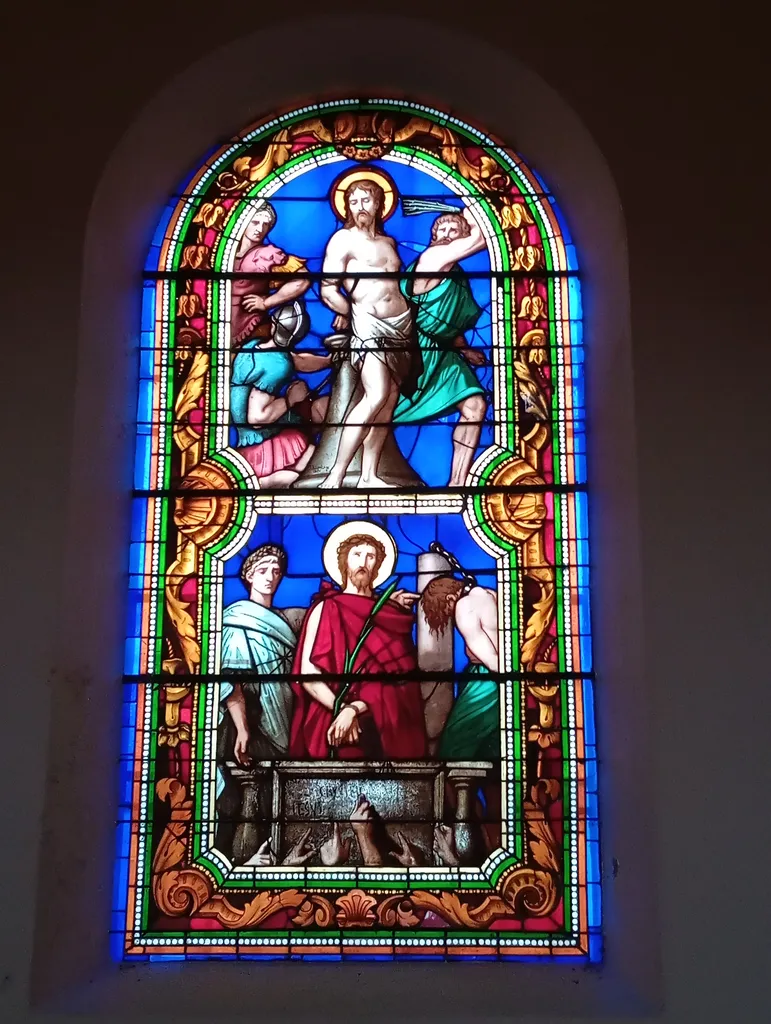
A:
{"x": 303, "y": 538}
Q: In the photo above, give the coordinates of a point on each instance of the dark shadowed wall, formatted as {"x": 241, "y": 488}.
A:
{"x": 676, "y": 100}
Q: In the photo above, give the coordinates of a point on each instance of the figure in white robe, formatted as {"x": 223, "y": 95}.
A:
{"x": 258, "y": 641}
{"x": 258, "y": 646}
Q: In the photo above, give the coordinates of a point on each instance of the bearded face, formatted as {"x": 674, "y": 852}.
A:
{"x": 447, "y": 228}
{"x": 362, "y": 208}
{"x": 447, "y": 233}
{"x": 361, "y": 566}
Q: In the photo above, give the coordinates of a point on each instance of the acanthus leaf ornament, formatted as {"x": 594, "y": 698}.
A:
{"x": 514, "y": 215}
{"x": 211, "y": 215}
{"x": 196, "y": 257}
{"x": 356, "y": 909}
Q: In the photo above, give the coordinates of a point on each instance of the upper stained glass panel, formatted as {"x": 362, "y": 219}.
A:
{"x": 358, "y": 684}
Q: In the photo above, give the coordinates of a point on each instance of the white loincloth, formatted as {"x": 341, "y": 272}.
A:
{"x": 390, "y": 338}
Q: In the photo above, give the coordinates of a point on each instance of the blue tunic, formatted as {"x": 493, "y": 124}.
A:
{"x": 269, "y": 371}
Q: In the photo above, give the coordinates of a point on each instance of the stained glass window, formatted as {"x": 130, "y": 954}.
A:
{"x": 358, "y": 714}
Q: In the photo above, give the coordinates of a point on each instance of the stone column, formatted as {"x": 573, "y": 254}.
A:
{"x": 435, "y": 654}
{"x": 252, "y": 828}
{"x": 346, "y": 390}
{"x": 465, "y": 777}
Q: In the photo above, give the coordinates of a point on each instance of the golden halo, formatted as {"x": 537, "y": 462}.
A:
{"x": 385, "y": 181}
{"x": 346, "y": 530}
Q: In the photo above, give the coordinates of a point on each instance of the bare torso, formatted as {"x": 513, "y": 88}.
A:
{"x": 476, "y": 617}
{"x": 362, "y": 254}
{"x": 431, "y": 261}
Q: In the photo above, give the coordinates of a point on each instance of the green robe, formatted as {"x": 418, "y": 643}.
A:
{"x": 473, "y": 729}
{"x": 441, "y": 315}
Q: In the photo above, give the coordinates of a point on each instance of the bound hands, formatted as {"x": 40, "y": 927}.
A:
{"x": 345, "y": 728}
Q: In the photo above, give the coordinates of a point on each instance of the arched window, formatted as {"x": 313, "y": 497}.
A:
{"x": 359, "y": 692}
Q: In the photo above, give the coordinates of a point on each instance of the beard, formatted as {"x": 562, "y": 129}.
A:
{"x": 361, "y": 578}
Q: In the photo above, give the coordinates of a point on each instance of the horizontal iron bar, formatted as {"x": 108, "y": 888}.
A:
{"x": 348, "y": 492}
{"x": 318, "y": 275}
{"x": 418, "y": 675}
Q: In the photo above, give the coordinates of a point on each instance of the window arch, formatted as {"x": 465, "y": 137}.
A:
{"x": 464, "y": 718}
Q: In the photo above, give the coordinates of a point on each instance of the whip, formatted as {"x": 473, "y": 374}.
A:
{"x": 412, "y": 207}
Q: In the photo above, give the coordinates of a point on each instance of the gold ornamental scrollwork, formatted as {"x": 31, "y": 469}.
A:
{"x": 190, "y": 350}
{"x": 544, "y": 845}
{"x": 519, "y": 516}
{"x": 183, "y": 890}
{"x": 202, "y": 516}
{"x": 364, "y": 136}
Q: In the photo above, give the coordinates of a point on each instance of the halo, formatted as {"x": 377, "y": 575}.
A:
{"x": 346, "y": 530}
{"x": 385, "y": 181}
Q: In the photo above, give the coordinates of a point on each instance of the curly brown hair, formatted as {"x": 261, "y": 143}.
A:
{"x": 353, "y": 541}
{"x": 433, "y": 601}
{"x": 447, "y": 218}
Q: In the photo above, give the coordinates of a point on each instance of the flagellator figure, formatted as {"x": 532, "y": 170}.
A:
{"x": 444, "y": 308}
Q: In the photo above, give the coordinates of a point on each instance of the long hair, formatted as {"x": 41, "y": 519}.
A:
{"x": 372, "y": 189}
{"x": 352, "y": 542}
{"x": 433, "y": 601}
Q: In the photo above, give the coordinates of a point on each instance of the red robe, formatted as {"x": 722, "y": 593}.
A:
{"x": 394, "y": 726}
{"x": 260, "y": 259}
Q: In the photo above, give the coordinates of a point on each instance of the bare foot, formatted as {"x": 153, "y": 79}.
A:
{"x": 372, "y": 481}
{"x": 330, "y": 483}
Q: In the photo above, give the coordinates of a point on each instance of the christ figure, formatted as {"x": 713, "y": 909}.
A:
{"x": 383, "y": 346}
{"x": 375, "y": 711}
